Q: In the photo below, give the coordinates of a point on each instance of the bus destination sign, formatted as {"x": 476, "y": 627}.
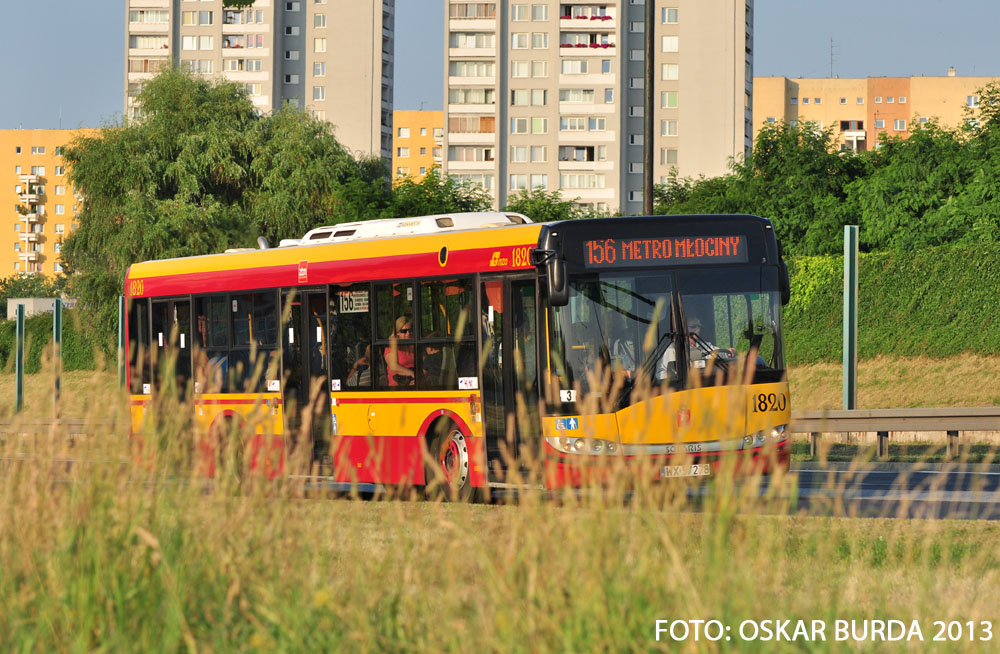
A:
{"x": 677, "y": 251}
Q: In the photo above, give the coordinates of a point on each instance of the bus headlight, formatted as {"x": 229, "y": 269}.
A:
{"x": 594, "y": 446}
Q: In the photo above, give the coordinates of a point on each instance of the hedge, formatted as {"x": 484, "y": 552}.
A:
{"x": 936, "y": 302}
{"x": 80, "y": 348}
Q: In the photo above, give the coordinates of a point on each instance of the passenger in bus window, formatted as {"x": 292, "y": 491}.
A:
{"x": 399, "y": 359}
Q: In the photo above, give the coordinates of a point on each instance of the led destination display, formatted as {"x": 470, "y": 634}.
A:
{"x": 665, "y": 251}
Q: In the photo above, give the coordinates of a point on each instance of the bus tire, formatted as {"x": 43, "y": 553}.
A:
{"x": 447, "y": 473}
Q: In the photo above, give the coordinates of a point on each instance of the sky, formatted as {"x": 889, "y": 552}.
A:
{"x": 63, "y": 60}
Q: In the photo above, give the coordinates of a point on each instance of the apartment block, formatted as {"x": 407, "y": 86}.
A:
{"x": 40, "y": 204}
{"x": 550, "y": 95}
{"x": 862, "y": 110}
{"x": 330, "y": 57}
{"x": 417, "y": 142}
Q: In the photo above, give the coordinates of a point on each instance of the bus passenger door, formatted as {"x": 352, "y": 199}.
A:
{"x": 171, "y": 322}
{"x": 508, "y": 326}
{"x": 306, "y": 386}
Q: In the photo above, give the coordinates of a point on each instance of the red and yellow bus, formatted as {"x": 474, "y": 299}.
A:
{"x": 483, "y": 339}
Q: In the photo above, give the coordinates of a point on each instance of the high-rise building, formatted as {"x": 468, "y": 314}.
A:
{"x": 416, "y": 145}
{"x": 40, "y": 203}
{"x": 331, "y": 57}
{"x": 861, "y": 110}
{"x": 546, "y": 94}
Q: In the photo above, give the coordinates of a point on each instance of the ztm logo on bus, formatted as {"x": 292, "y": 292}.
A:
{"x": 303, "y": 272}
{"x": 519, "y": 258}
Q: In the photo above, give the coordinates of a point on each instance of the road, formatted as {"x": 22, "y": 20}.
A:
{"x": 900, "y": 491}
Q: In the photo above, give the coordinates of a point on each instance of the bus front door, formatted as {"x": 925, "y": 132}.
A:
{"x": 306, "y": 384}
{"x": 171, "y": 323}
{"x": 510, "y": 373}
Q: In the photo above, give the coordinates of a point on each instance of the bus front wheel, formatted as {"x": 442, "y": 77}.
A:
{"x": 447, "y": 473}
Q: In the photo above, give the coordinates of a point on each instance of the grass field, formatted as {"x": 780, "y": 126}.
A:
{"x": 137, "y": 552}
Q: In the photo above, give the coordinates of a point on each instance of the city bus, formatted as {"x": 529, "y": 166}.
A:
{"x": 464, "y": 346}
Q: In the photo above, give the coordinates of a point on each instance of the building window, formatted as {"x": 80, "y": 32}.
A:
{"x": 668, "y": 128}
{"x": 291, "y": 6}
{"x": 518, "y": 125}
{"x": 319, "y": 93}
{"x": 805, "y": 100}
{"x": 573, "y": 67}
{"x": 539, "y": 97}
{"x": 670, "y": 44}
{"x": 403, "y": 132}
{"x": 890, "y": 100}
{"x": 668, "y": 15}
{"x": 319, "y": 20}
{"x": 817, "y": 100}
{"x": 519, "y": 153}
{"x": 596, "y": 124}
{"x": 38, "y": 170}
{"x": 291, "y": 30}
{"x": 878, "y": 99}
{"x": 17, "y": 149}
{"x": 60, "y": 150}
{"x": 518, "y": 68}
{"x": 843, "y": 101}
{"x": 636, "y": 55}
{"x": 291, "y": 79}
{"x": 205, "y": 18}
{"x": 669, "y": 71}
{"x": 402, "y": 152}
{"x": 519, "y": 41}
{"x": 902, "y": 99}
{"x": 539, "y": 12}
{"x": 539, "y": 40}
{"x": 60, "y": 189}
{"x": 60, "y": 171}
{"x": 637, "y": 27}
{"x": 538, "y": 181}
{"x": 423, "y": 131}
{"x": 572, "y": 124}
{"x": 668, "y": 100}
{"x": 605, "y": 65}
{"x": 635, "y": 196}
{"x": 38, "y": 149}
{"x": 793, "y": 100}
{"x": 402, "y": 171}
{"x": 539, "y": 125}
{"x": 319, "y": 45}
{"x": 518, "y": 182}
{"x": 519, "y": 12}
{"x": 637, "y": 111}
{"x": 972, "y": 101}
{"x": 539, "y": 69}
{"x": 899, "y": 125}
{"x": 319, "y": 69}
{"x": 538, "y": 153}
{"x": 576, "y": 95}
{"x": 57, "y": 267}
{"x": 60, "y": 209}
{"x": 879, "y": 123}
{"x": 635, "y": 139}
{"x": 60, "y": 228}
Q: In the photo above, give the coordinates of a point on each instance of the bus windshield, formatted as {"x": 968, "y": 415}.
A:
{"x": 637, "y": 324}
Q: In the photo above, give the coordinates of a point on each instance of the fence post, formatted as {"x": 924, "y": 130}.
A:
{"x": 952, "y": 444}
{"x": 813, "y": 443}
{"x": 56, "y": 354}
{"x": 121, "y": 341}
{"x": 883, "y": 444}
{"x": 850, "y": 316}
{"x": 19, "y": 361}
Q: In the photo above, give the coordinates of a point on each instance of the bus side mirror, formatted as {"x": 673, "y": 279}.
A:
{"x": 784, "y": 285}
{"x": 555, "y": 277}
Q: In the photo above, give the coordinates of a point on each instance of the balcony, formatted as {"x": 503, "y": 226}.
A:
{"x": 28, "y": 256}
{"x": 29, "y": 237}
{"x": 29, "y": 196}
{"x": 31, "y": 218}
{"x": 29, "y": 179}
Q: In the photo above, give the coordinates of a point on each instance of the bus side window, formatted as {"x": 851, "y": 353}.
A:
{"x": 253, "y": 357}
{"x": 395, "y": 326}
{"x": 211, "y": 340}
{"x": 350, "y": 336}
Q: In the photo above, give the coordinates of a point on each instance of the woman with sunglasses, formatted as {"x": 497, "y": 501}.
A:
{"x": 400, "y": 359}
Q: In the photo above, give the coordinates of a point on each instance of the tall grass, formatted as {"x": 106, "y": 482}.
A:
{"x": 130, "y": 548}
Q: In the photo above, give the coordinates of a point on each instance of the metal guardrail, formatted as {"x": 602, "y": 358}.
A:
{"x": 952, "y": 420}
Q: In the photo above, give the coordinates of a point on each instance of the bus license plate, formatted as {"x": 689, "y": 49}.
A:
{"x": 692, "y": 470}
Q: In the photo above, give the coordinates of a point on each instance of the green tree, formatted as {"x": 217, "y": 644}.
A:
{"x": 434, "y": 194}
{"x": 543, "y": 206}
{"x": 197, "y": 172}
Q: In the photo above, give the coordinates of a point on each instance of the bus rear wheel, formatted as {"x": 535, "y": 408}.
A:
{"x": 447, "y": 474}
